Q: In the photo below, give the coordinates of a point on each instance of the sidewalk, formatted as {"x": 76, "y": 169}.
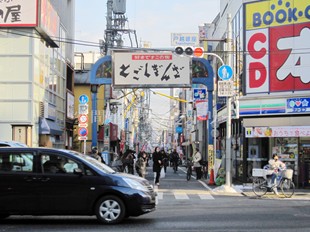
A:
{"x": 300, "y": 194}
{"x": 173, "y": 180}
{"x": 246, "y": 190}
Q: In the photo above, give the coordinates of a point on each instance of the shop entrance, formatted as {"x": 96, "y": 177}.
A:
{"x": 304, "y": 163}
{"x": 257, "y": 154}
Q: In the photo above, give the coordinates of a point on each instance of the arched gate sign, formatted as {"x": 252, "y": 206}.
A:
{"x": 101, "y": 74}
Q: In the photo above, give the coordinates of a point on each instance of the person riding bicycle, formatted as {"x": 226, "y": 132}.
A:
{"x": 175, "y": 159}
{"x": 276, "y": 165}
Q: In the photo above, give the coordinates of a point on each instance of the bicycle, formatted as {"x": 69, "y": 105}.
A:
{"x": 189, "y": 170}
{"x": 284, "y": 182}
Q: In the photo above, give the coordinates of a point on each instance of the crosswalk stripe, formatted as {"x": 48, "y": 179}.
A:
{"x": 206, "y": 196}
{"x": 180, "y": 196}
{"x": 160, "y": 195}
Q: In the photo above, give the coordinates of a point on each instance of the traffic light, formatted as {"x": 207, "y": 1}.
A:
{"x": 189, "y": 51}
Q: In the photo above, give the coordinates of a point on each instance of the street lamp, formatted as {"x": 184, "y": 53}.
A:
{"x": 113, "y": 106}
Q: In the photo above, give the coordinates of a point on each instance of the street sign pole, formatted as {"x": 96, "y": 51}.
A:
{"x": 228, "y": 122}
{"x": 83, "y": 118}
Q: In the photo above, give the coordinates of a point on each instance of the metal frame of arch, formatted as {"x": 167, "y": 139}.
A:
{"x": 207, "y": 81}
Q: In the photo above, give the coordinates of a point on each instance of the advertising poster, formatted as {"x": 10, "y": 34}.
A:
{"x": 277, "y": 46}
{"x": 202, "y": 110}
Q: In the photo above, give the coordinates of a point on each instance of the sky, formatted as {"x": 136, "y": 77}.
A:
{"x": 154, "y": 21}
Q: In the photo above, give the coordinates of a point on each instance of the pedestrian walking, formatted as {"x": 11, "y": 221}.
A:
{"x": 141, "y": 164}
{"x": 95, "y": 154}
{"x": 197, "y": 158}
{"x": 157, "y": 164}
{"x": 128, "y": 161}
{"x": 165, "y": 159}
{"x": 175, "y": 160}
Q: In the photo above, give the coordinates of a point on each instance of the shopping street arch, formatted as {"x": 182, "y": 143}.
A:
{"x": 101, "y": 74}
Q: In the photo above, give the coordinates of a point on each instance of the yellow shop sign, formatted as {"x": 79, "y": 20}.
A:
{"x": 272, "y": 13}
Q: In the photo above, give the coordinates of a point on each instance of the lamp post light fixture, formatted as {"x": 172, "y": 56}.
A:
{"x": 94, "y": 88}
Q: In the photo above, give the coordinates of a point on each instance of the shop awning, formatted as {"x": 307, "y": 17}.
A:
{"x": 276, "y": 121}
{"x": 49, "y": 127}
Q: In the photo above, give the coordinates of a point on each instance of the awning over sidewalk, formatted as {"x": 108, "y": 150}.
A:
{"x": 49, "y": 127}
{"x": 276, "y": 121}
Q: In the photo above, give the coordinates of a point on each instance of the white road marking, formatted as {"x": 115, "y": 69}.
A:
{"x": 206, "y": 196}
{"x": 180, "y": 196}
{"x": 160, "y": 195}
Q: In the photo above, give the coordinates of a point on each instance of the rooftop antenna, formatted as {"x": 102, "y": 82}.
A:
{"x": 116, "y": 27}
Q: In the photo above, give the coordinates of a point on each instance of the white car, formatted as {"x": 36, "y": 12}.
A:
{"x": 11, "y": 144}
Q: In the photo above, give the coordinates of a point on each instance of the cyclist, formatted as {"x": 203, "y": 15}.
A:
{"x": 275, "y": 164}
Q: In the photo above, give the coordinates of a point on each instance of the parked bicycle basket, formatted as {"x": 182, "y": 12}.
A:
{"x": 258, "y": 172}
{"x": 288, "y": 174}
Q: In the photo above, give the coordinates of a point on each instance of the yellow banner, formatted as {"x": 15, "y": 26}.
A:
{"x": 272, "y": 13}
{"x": 210, "y": 158}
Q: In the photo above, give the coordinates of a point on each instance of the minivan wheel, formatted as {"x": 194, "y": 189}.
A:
{"x": 110, "y": 210}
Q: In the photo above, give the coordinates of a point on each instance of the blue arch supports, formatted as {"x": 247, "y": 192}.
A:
{"x": 209, "y": 83}
{"x": 97, "y": 77}
{"x": 100, "y": 74}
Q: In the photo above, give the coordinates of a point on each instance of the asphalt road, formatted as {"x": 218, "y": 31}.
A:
{"x": 188, "y": 206}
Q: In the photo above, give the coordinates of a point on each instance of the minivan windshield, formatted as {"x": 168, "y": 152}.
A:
{"x": 103, "y": 167}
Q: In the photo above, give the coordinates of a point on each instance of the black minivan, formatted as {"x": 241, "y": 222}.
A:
{"x": 45, "y": 181}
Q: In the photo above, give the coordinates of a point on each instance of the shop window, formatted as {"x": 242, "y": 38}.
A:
{"x": 286, "y": 148}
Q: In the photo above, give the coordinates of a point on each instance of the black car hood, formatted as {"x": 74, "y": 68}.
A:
{"x": 136, "y": 178}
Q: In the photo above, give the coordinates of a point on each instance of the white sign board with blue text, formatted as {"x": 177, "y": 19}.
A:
{"x": 199, "y": 94}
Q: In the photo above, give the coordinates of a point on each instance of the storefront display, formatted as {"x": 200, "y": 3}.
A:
{"x": 287, "y": 150}
{"x": 304, "y": 162}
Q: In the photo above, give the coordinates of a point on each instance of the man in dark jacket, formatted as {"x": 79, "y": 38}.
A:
{"x": 157, "y": 164}
{"x": 175, "y": 160}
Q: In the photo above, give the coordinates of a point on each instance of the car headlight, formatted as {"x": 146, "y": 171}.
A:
{"x": 135, "y": 184}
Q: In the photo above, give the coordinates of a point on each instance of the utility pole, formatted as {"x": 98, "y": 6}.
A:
{"x": 228, "y": 122}
{"x": 116, "y": 27}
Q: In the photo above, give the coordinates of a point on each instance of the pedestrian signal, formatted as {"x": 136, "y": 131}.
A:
{"x": 189, "y": 51}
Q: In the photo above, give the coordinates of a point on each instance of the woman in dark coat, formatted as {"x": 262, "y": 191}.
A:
{"x": 157, "y": 164}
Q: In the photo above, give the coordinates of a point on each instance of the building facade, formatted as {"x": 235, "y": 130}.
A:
{"x": 272, "y": 86}
{"x": 37, "y": 72}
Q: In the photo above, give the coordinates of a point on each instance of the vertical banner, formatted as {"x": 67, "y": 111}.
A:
{"x": 202, "y": 109}
{"x": 210, "y": 158}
